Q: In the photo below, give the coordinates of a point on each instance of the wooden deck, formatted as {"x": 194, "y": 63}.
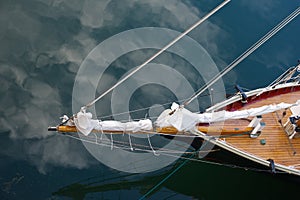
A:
{"x": 278, "y": 146}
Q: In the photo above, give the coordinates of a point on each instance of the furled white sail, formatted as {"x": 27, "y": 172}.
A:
{"x": 183, "y": 119}
{"x": 85, "y": 124}
{"x": 177, "y": 116}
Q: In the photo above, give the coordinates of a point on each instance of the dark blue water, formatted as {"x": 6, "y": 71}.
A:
{"x": 42, "y": 45}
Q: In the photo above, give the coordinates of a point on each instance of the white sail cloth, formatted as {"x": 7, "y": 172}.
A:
{"x": 183, "y": 119}
{"x": 85, "y": 124}
{"x": 178, "y": 117}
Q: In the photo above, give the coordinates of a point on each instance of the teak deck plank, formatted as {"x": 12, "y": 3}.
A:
{"x": 277, "y": 145}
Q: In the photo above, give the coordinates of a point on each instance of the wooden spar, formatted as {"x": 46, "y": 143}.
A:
{"x": 211, "y": 130}
{"x": 73, "y": 129}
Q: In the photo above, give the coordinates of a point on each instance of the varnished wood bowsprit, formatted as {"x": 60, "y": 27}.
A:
{"x": 213, "y": 129}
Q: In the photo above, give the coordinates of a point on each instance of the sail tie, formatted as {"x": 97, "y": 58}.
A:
{"x": 112, "y": 142}
{"x": 130, "y": 144}
{"x": 154, "y": 152}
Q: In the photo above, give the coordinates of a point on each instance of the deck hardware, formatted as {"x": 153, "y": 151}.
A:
{"x": 272, "y": 166}
{"x": 262, "y": 141}
{"x": 289, "y": 140}
{"x": 257, "y": 126}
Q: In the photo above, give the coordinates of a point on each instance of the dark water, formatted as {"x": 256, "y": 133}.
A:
{"x": 42, "y": 46}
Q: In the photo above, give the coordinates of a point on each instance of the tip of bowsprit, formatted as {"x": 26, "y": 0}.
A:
{"x": 52, "y": 128}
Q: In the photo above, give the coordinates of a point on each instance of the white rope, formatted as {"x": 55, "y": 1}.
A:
{"x": 131, "y": 148}
{"x": 101, "y": 130}
{"x": 245, "y": 54}
{"x": 154, "y": 152}
{"x": 101, "y": 134}
{"x": 96, "y": 138}
{"x": 112, "y": 141}
{"x": 107, "y": 143}
{"x": 159, "y": 52}
{"x": 153, "y": 106}
{"x": 185, "y": 158}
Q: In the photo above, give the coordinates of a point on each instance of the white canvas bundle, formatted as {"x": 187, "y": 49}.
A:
{"x": 85, "y": 124}
{"x": 183, "y": 119}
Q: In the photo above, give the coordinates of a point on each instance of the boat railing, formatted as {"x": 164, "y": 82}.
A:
{"x": 287, "y": 77}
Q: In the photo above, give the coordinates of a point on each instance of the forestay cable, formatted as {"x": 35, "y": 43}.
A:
{"x": 245, "y": 54}
{"x": 159, "y": 52}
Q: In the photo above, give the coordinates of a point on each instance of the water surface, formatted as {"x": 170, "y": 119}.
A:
{"x": 43, "y": 44}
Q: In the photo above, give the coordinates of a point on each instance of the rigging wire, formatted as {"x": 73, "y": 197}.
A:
{"x": 126, "y": 145}
{"x": 169, "y": 175}
{"x": 156, "y": 106}
{"x": 169, "y": 153}
{"x": 158, "y": 53}
{"x": 245, "y": 54}
{"x": 162, "y": 181}
{"x": 226, "y": 70}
